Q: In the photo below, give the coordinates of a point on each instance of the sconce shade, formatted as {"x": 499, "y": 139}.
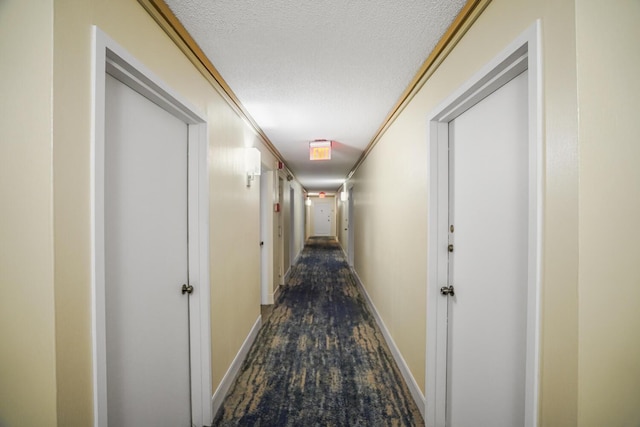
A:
{"x": 252, "y": 161}
{"x": 252, "y": 164}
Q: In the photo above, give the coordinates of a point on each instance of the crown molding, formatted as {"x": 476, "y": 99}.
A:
{"x": 458, "y": 28}
{"x": 166, "y": 19}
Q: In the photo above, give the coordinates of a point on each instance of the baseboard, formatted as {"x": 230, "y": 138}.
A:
{"x": 276, "y": 294}
{"x": 414, "y": 388}
{"x": 290, "y": 270}
{"x": 234, "y": 368}
{"x": 346, "y": 256}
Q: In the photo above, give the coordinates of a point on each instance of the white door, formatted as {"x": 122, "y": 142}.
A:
{"x": 488, "y": 214}
{"x": 322, "y": 214}
{"x": 279, "y": 258}
{"x": 351, "y": 231}
{"x": 146, "y": 262}
{"x": 266, "y": 237}
{"x": 292, "y": 226}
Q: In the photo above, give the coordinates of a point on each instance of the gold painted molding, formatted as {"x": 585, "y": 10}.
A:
{"x": 165, "y": 18}
{"x": 458, "y": 28}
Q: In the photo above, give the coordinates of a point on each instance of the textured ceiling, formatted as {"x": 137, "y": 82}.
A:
{"x": 309, "y": 70}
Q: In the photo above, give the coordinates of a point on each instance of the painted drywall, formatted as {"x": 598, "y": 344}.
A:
{"x": 234, "y": 208}
{"x": 609, "y": 322}
{"x": 27, "y": 352}
{"x": 391, "y": 192}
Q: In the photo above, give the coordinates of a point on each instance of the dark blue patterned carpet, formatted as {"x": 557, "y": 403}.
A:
{"x": 319, "y": 359}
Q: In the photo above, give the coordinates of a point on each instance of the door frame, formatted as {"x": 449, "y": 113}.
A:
{"x": 111, "y": 58}
{"x": 267, "y": 235}
{"x": 292, "y": 226}
{"x": 351, "y": 244}
{"x": 524, "y": 53}
{"x": 280, "y": 180}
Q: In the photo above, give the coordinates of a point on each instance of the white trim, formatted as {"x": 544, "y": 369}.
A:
{"x": 346, "y": 255}
{"x": 287, "y": 276}
{"x": 276, "y": 293}
{"x": 523, "y": 53}
{"x": 435, "y": 381}
{"x": 109, "y": 57}
{"x": 292, "y": 230}
{"x": 351, "y": 232}
{"x": 234, "y": 368}
{"x": 199, "y": 274}
{"x": 266, "y": 236}
{"x": 411, "y": 382}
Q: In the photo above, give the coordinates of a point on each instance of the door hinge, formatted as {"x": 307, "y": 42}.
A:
{"x": 187, "y": 289}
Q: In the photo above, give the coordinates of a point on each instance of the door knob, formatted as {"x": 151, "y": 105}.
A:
{"x": 187, "y": 289}
{"x": 447, "y": 290}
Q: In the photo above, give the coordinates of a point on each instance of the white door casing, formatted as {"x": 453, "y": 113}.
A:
{"x": 351, "y": 229}
{"x": 523, "y": 54}
{"x": 110, "y": 58}
{"x": 267, "y": 236}
{"x": 281, "y": 231}
{"x": 292, "y": 227}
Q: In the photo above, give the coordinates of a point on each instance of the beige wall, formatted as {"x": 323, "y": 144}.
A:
{"x": 391, "y": 194}
{"x": 608, "y": 39}
{"x": 590, "y": 374}
{"x": 45, "y": 359}
{"x": 27, "y": 339}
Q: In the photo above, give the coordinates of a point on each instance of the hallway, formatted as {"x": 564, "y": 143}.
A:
{"x": 252, "y": 197}
{"x": 320, "y": 358}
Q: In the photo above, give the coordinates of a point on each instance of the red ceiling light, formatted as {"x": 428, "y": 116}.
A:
{"x": 320, "y": 149}
{"x": 322, "y": 194}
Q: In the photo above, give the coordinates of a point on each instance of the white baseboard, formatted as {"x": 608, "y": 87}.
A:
{"x": 288, "y": 273}
{"x": 234, "y": 368}
{"x": 414, "y": 388}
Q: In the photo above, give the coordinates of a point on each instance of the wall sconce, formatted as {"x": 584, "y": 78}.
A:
{"x": 307, "y": 202}
{"x": 344, "y": 196}
{"x": 252, "y": 164}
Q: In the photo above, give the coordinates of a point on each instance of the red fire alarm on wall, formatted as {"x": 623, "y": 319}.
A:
{"x": 276, "y": 207}
{"x": 280, "y": 165}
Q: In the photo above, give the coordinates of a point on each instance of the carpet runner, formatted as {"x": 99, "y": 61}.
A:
{"x": 320, "y": 358}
